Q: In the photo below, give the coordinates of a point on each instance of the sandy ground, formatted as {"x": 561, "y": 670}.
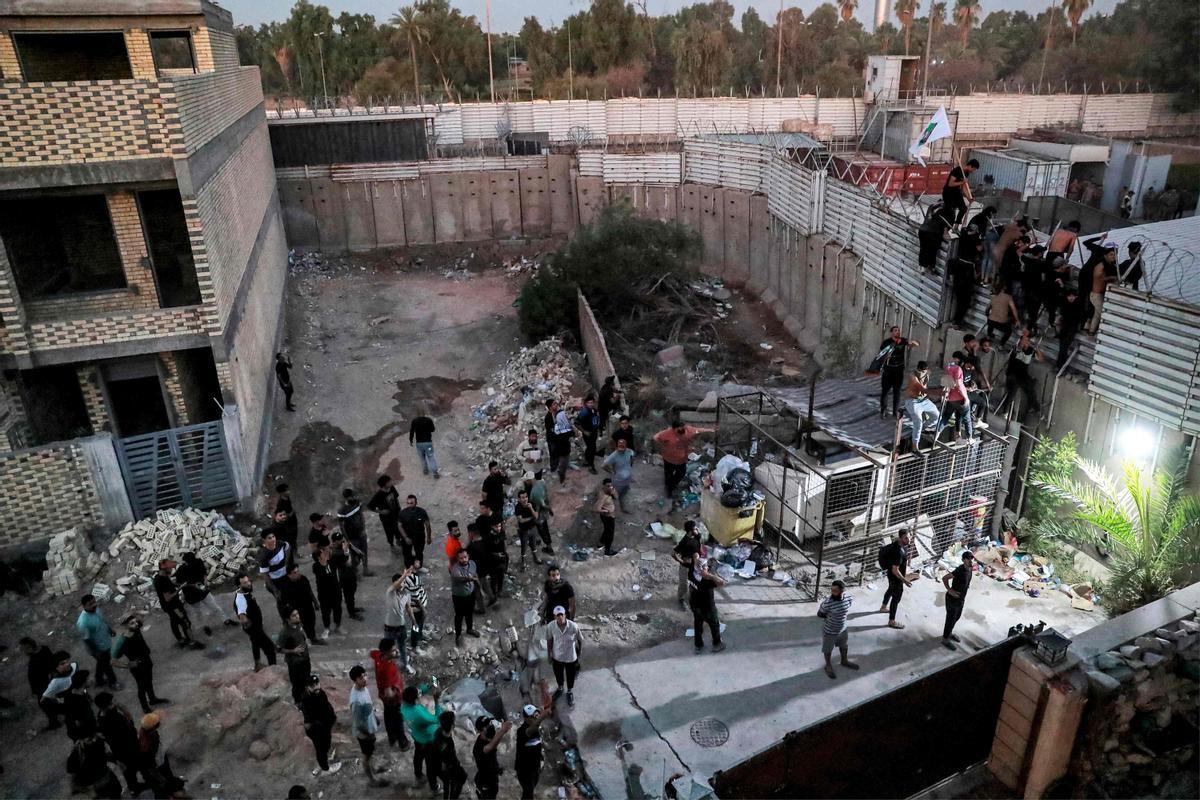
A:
{"x": 376, "y": 341}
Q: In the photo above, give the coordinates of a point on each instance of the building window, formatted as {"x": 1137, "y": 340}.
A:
{"x": 60, "y": 245}
{"x": 73, "y": 56}
{"x": 170, "y": 248}
{"x": 172, "y": 51}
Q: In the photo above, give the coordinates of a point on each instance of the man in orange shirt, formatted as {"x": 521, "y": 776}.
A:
{"x": 673, "y": 447}
{"x": 453, "y": 542}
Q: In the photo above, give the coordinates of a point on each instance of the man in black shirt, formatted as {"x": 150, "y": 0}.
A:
{"x": 894, "y": 560}
{"x": 683, "y": 554}
{"x": 420, "y": 433}
{"x": 487, "y": 765}
{"x": 1018, "y": 377}
{"x": 171, "y": 602}
{"x": 703, "y": 584}
{"x": 493, "y": 487}
{"x": 892, "y": 371}
{"x": 386, "y": 503}
{"x": 115, "y": 724}
{"x": 956, "y": 194}
{"x": 354, "y": 528}
{"x": 1070, "y": 320}
{"x": 624, "y": 433}
{"x": 318, "y": 533}
{"x": 414, "y": 522}
{"x": 290, "y": 526}
{"x": 131, "y": 645}
{"x": 963, "y": 278}
{"x": 497, "y": 558}
{"x": 478, "y": 552}
{"x": 283, "y": 366}
{"x": 609, "y": 399}
{"x": 41, "y": 664}
{"x": 329, "y": 591}
{"x": 559, "y": 592}
{"x": 341, "y": 558}
{"x": 1130, "y": 272}
{"x": 956, "y": 583}
{"x": 250, "y": 615}
{"x": 298, "y": 596}
{"x": 319, "y": 717}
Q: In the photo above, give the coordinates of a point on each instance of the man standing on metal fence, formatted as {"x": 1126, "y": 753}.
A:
{"x": 890, "y": 363}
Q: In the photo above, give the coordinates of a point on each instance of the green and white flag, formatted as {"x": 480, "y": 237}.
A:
{"x": 938, "y": 128}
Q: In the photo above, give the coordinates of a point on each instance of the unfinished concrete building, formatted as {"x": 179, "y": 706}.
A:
{"x": 142, "y": 261}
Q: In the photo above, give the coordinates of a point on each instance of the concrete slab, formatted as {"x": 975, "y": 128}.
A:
{"x": 760, "y": 243}
{"x": 771, "y": 681}
{"x": 689, "y": 205}
{"x": 712, "y": 229}
{"x": 389, "y": 213}
{"x": 417, "y": 201}
{"x": 447, "y": 194}
{"x": 359, "y": 212}
{"x": 476, "y": 206}
{"x": 299, "y": 220}
{"x": 736, "y": 209}
{"x": 662, "y": 203}
{"x": 506, "y": 203}
{"x": 558, "y": 187}
{"x": 592, "y": 195}
{"x": 327, "y": 210}
{"x": 535, "y": 201}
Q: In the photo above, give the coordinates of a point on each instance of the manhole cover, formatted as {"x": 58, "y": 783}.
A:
{"x": 710, "y": 732}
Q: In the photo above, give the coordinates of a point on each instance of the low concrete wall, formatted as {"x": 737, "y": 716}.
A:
{"x": 599, "y": 362}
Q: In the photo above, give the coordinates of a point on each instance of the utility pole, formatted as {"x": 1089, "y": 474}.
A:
{"x": 779, "y": 52}
{"x": 928, "y": 45}
{"x": 1046, "y": 49}
{"x": 491, "y": 78}
{"x": 321, "y": 56}
{"x": 570, "y": 63}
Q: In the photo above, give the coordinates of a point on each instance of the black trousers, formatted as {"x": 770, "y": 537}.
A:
{"x": 527, "y": 776}
{"x": 567, "y": 669}
{"x": 321, "y": 736}
{"x": 672, "y": 475}
{"x": 957, "y": 204}
{"x": 1027, "y": 387}
{"x": 143, "y": 676}
{"x": 298, "y": 671}
{"x": 308, "y": 619}
{"x": 963, "y": 295}
{"x": 890, "y": 379}
{"x": 393, "y": 721}
{"x": 391, "y": 529}
{"x": 464, "y": 610}
{"x": 104, "y": 671}
{"x": 487, "y": 786}
{"x": 453, "y": 782}
{"x": 349, "y": 587}
{"x": 589, "y": 449}
{"x": 331, "y": 607}
{"x": 609, "y": 525}
{"x": 181, "y": 626}
{"x": 1065, "y": 340}
{"x": 894, "y": 592}
{"x": 418, "y": 628}
{"x": 1004, "y": 327}
{"x": 288, "y": 391}
{"x": 954, "y": 609}
{"x": 706, "y": 616}
{"x": 261, "y": 643}
{"x": 424, "y": 755}
{"x": 496, "y": 577}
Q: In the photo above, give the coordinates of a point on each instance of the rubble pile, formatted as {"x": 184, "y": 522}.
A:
{"x": 69, "y": 562}
{"x": 170, "y": 534}
{"x": 1144, "y": 736}
{"x": 515, "y": 401}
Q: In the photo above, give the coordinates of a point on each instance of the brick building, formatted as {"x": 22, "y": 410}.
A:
{"x": 143, "y": 256}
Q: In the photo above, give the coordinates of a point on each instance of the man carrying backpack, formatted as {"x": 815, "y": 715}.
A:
{"x": 893, "y": 559}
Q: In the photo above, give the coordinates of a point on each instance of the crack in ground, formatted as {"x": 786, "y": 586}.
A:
{"x": 646, "y": 714}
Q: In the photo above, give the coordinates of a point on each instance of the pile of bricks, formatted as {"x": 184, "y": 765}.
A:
{"x": 170, "y": 534}
{"x": 69, "y": 560}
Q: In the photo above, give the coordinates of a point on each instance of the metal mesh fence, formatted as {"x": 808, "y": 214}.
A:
{"x": 828, "y": 522}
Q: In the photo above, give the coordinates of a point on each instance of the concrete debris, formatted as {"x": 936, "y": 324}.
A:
{"x": 670, "y": 356}
{"x": 522, "y": 265}
{"x": 515, "y": 401}
{"x": 69, "y": 561}
{"x": 138, "y": 548}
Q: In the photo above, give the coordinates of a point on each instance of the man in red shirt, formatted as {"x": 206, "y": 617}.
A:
{"x": 673, "y": 446}
{"x": 453, "y": 542}
{"x": 390, "y": 684}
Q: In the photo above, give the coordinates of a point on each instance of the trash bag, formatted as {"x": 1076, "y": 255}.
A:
{"x": 491, "y": 701}
{"x": 762, "y": 556}
{"x": 739, "y": 483}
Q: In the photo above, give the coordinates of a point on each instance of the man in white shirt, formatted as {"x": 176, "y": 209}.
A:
{"x": 565, "y": 645}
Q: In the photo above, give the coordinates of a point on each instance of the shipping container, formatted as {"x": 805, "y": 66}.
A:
{"x": 1022, "y": 173}
{"x": 887, "y": 176}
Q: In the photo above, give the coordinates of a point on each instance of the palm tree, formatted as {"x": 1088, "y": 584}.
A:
{"x": 965, "y": 14}
{"x": 1147, "y": 521}
{"x": 847, "y": 8}
{"x": 906, "y": 10}
{"x": 937, "y": 16}
{"x": 1075, "y": 10}
{"x": 409, "y": 26}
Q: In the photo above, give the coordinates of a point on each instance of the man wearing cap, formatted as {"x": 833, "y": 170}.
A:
{"x": 292, "y": 642}
{"x": 171, "y": 603}
{"x": 363, "y": 722}
{"x": 97, "y": 637}
{"x": 956, "y": 583}
{"x": 565, "y": 645}
{"x": 318, "y": 723}
{"x": 422, "y": 726}
{"x": 487, "y": 765}
{"x": 250, "y": 615}
{"x": 528, "y": 761}
{"x": 131, "y": 645}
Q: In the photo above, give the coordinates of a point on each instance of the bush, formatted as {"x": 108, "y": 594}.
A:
{"x": 1052, "y": 463}
{"x": 616, "y": 261}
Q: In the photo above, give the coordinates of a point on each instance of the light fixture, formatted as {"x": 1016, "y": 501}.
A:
{"x": 1136, "y": 443}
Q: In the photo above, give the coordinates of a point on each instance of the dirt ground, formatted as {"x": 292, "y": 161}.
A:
{"x": 375, "y": 340}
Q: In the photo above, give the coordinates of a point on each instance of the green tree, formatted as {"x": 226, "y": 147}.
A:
{"x": 702, "y": 57}
{"x": 614, "y": 261}
{"x": 906, "y": 11}
{"x": 308, "y": 28}
{"x": 612, "y": 34}
{"x": 966, "y": 12}
{"x": 846, "y": 8}
{"x": 1147, "y": 521}
{"x": 1075, "y": 10}
{"x": 408, "y": 27}
{"x": 1051, "y": 463}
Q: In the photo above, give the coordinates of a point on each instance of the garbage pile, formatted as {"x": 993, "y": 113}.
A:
{"x": 141, "y": 545}
{"x": 515, "y": 401}
{"x": 522, "y": 265}
{"x": 714, "y": 290}
{"x": 69, "y": 562}
{"x": 1030, "y": 574}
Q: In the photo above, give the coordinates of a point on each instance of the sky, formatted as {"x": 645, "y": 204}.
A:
{"x": 507, "y": 15}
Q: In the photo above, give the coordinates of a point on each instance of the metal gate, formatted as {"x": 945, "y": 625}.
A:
{"x": 890, "y": 746}
{"x": 177, "y": 468}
